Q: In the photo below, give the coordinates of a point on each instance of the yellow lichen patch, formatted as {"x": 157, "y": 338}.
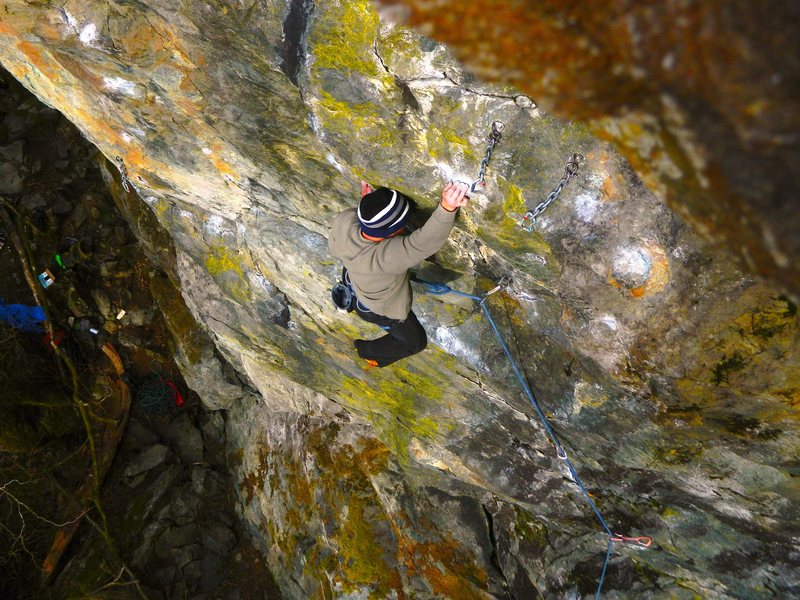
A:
{"x": 510, "y": 240}
{"x": 755, "y": 352}
{"x": 344, "y": 39}
{"x": 228, "y": 273}
{"x": 590, "y": 395}
{"x": 345, "y": 118}
{"x": 330, "y": 488}
{"x": 514, "y": 201}
{"x": 444, "y": 142}
{"x": 402, "y": 42}
{"x": 361, "y": 556}
{"x": 396, "y": 408}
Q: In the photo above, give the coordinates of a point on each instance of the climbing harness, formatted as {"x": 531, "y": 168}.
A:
{"x": 476, "y": 187}
{"x": 123, "y": 173}
{"x": 438, "y": 289}
{"x": 570, "y": 171}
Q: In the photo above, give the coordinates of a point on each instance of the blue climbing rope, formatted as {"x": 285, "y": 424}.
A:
{"x": 439, "y": 289}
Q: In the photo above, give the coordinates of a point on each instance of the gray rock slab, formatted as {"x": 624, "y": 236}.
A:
{"x": 11, "y": 181}
{"x": 185, "y": 438}
{"x": 13, "y": 152}
{"x": 176, "y": 537}
{"x": 218, "y": 537}
{"x": 165, "y": 575}
{"x": 187, "y": 554}
{"x": 148, "y": 459}
{"x": 211, "y": 572}
{"x": 207, "y": 483}
{"x": 213, "y": 427}
{"x": 139, "y": 436}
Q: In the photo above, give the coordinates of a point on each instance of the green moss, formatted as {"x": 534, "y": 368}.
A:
{"x": 530, "y": 530}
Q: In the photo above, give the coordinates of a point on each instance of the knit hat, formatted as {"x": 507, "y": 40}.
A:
{"x": 383, "y": 212}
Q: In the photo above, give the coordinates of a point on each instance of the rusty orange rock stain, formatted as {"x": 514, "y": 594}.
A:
{"x": 609, "y": 190}
{"x": 224, "y": 167}
{"x": 37, "y": 59}
{"x": 445, "y": 564}
{"x": 157, "y": 44}
{"x": 7, "y": 30}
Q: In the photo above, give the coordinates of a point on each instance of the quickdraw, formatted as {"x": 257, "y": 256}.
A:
{"x": 476, "y": 187}
{"x": 123, "y": 173}
{"x": 570, "y": 171}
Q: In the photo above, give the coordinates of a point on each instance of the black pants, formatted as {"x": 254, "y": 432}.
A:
{"x": 403, "y": 338}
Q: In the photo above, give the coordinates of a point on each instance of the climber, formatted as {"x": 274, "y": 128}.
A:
{"x": 377, "y": 251}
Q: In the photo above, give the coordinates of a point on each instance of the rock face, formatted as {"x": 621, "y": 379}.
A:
{"x": 701, "y": 97}
{"x": 670, "y": 377}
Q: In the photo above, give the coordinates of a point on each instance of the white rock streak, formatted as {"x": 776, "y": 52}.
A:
{"x": 122, "y": 86}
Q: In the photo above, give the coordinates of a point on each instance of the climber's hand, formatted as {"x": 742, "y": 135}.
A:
{"x": 366, "y": 188}
{"x": 454, "y": 195}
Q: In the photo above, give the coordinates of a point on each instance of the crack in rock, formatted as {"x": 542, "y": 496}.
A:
{"x": 495, "y": 558}
{"x": 294, "y": 30}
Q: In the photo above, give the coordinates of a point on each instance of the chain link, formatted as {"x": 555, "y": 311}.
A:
{"x": 570, "y": 171}
{"x": 123, "y": 173}
{"x": 476, "y": 187}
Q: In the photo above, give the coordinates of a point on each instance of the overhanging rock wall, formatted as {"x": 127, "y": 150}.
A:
{"x": 700, "y": 96}
{"x": 671, "y": 378}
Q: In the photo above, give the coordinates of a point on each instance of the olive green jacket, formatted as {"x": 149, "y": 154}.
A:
{"x": 379, "y": 270}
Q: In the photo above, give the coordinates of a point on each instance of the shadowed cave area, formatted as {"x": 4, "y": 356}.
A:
{"x": 185, "y": 415}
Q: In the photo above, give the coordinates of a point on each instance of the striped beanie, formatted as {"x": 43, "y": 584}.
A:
{"x": 383, "y": 212}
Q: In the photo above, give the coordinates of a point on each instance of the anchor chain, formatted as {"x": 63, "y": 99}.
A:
{"x": 476, "y": 187}
{"x": 123, "y": 173}
{"x": 570, "y": 171}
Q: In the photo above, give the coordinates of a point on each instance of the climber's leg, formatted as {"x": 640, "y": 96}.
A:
{"x": 403, "y": 338}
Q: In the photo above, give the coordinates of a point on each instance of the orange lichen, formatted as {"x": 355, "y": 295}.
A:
{"x": 41, "y": 62}
{"x": 446, "y": 565}
{"x": 223, "y": 166}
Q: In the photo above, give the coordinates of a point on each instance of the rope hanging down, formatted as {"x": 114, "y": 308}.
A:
{"x": 570, "y": 171}
{"x": 438, "y": 289}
